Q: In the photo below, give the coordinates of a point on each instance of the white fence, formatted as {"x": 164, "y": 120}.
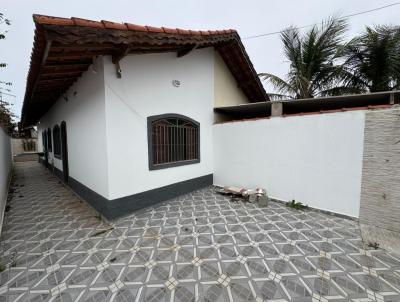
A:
{"x": 314, "y": 159}
{"x": 5, "y": 170}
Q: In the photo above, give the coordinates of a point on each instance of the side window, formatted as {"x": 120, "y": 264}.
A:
{"x": 44, "y": 140}
{"x": 49, "y": 144}
{"x": 173, "y": 140}
{"x": 57, "y": 141}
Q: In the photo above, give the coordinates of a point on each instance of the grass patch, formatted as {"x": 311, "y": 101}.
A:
{"x": 297, "y": 205}
{"x": 374, "y": 245}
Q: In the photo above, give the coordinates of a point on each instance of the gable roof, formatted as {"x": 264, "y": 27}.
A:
{"x": 64, "y": 48}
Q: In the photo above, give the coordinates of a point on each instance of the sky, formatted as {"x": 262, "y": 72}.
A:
{"x": 250, "y": 17}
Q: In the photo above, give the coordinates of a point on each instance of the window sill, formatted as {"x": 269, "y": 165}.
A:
{"x": 173, "y": 164}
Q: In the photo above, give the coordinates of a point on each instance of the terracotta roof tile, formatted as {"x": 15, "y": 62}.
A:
{"x": 183, "y": 31}
{"x": 154, "y": 29}
{"x": 204, "y": 33}
{"x": 87, "y": 23}
{"x": 113, "y": 25}
{"x": 136, "y": 27}
{"x": 40, "y": 19}
{"x": 195, "y": 32}
{"x": 172, "y": 31}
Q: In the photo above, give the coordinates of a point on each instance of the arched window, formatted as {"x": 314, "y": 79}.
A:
{"x": 173, "y": 140}
{"x": 44, "y": 140}
{"x": 57, "y": 141}
{"x": 49, "y": 144}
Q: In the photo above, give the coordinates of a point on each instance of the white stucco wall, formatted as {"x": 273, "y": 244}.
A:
{"x": 84, "y": 114}
{"x": 315, "y": 159}
{"x": 5, "y": 170}
{"x": 146, "y": 89}
{"x": 226, "y": 89}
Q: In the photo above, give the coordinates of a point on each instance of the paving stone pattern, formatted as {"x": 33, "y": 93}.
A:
{"x": 198, "y": 247}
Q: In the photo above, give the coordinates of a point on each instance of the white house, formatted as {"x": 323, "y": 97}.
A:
{"x": 125, "y": 112}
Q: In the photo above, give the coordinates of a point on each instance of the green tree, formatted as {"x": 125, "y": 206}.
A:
{"x": 3, "y": 22}
{"x": 314, "y": 69}
{"x": 6, "y": 116}
{"x": 372, "y": 60}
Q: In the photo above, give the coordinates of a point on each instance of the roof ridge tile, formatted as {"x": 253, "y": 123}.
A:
{"x": 50, "y": 20}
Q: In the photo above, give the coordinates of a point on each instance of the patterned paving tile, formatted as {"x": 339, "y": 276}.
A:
{"x": 198, "y": 247}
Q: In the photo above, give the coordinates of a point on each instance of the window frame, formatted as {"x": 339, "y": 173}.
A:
{"x": 49, "y": 140}
{"x": 155, "y": 118}
{"x": 57, "y": 155}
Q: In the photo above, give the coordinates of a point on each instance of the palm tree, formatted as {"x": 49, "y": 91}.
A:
{"x": 373, "y": 60}
{"x": 313, "y": 70}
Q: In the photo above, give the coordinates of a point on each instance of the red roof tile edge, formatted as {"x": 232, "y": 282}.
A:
{"x": 104, "y": 24}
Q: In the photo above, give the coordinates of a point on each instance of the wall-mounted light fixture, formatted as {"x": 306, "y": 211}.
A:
{"x": 176, "y": 83}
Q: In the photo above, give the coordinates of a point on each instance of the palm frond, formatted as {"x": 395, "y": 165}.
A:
{"x": 279, "y": 84}
{"x": 340, "y": 90}
{"x": 279, "y": 97}
{"x": 292, "y": 48}
{"x": 374, "y": 58}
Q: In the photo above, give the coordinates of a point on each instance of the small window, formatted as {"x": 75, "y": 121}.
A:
{"x": 174, "y": 140}
{"x": 49, "y": 144}
{"x": 57, "y": 141}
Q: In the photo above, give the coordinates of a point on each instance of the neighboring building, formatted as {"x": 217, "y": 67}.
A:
{"x": 125, "y": 112}
{"x": 27, "y": 132}
{"x": 24, "y": 144}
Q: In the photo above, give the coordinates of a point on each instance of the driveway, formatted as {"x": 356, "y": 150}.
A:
{"x": 198, "y": 247}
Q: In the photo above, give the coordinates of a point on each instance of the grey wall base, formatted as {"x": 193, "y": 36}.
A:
{"x": 58, "y": 173}
{"x": 387, "y": 239}
{"x": 116, "y": 208}
{"x": 112, "y": 209}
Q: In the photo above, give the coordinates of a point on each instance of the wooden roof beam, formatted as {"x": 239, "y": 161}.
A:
{"x": 45, "y": 54}
{"x": 57, "y": 80}
{"x": 118, "y": 55}
{"x": 100, "y": 46}
{"x": 185, "y": 50}
{"x": 75, "y": 54}
{"x": 48, "y": 70}
{"x": 60, "y": 74}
